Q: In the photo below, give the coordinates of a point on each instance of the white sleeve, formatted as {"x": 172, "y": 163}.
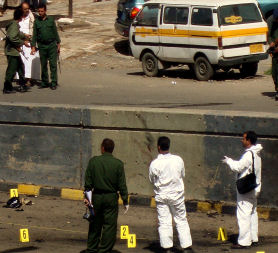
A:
{"x": 239, "y": 166}
{"x": 151, "y": 174}
{"x": 182, "y": 169}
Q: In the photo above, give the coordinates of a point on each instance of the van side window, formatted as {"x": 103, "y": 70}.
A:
{"x": 148, "y": 16}
{"x": 201, "y": 16}
{"x": 175, "y": 15}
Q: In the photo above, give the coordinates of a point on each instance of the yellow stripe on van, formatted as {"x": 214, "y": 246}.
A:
{"x": 195, "y": 33}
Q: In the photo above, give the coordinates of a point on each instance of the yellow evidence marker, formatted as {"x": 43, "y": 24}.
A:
{"x": 131, "y": 241}
{"x": 260, "y": 252}
{"x": 124, "y": 232}
{"x": 222, "y": 234}
{"x": 13, "y": 193}
{"x": 24, "y": 235}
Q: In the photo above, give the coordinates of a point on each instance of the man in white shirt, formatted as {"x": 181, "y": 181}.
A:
{"x": 31, "y": 62}
{"x": 166, "y": 173}
{"x": 247, "y": 215}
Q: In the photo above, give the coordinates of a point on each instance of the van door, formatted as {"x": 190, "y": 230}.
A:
{"x": 144, "y": 30}
{"x": 174, "y": 33}
{"x": 203, "y": 33}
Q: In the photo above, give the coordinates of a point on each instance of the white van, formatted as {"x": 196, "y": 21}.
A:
{"x": 217, "y": 34}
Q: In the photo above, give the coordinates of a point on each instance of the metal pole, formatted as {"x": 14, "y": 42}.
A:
{"x": 70, "y": 9}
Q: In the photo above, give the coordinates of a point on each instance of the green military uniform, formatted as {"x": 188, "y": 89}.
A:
{"x": 45, "y": 34}
{"x": 105, "y": 175}
{"x": 14, "y": 40}
{"x": 272, "y": 37}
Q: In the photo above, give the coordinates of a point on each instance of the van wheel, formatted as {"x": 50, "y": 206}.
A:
{"x": 203, "y": 69}
{"x": 249, "y": 69}
{"x": 150, "y": 64}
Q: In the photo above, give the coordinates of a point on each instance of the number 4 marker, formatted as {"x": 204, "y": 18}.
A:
{"x": 131, "y": 241}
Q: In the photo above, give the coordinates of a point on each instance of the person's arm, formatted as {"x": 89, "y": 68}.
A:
{"x": 14, "y": 36}
{"x": 34, "y": 38}
{"x": 270, "y": 39}
{"x": 239, "y": 166}
{"x": 56, "y": 34}
{"x": 151, "y": 174}
{"x": 182, "y": 169}
{"x": 122, "y": 185}
{"x": 89, "y": 176}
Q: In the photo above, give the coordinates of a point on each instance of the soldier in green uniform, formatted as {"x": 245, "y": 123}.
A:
{"x": 14, "y": 40}
{"x": 46, "y": 36}
{"x": 106, "y": 177}
{"x": 272, "y": 23}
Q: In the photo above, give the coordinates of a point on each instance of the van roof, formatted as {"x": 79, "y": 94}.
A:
{"x": 202, "y": 3}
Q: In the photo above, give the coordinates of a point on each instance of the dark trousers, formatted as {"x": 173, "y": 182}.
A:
{"x": 103, "y": 228}
{"x": 48, "y": 53}
{"x": 275, "y": 71}
{"x": 14, "y": 65}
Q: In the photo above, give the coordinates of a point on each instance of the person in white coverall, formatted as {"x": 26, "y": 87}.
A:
{"x": 31, "y": 62}
{"x": 247, "y": 215}
{"x": 166, "y": 173}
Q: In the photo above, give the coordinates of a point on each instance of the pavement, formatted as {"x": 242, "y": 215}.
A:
{"x": 56, "y": 225}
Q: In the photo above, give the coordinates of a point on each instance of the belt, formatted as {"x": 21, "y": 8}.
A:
{"x": 96, "y": 191}
{"x": 46, "y": 42}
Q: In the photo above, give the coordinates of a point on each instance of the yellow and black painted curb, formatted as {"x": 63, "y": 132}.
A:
{"x": 266, "y": 213}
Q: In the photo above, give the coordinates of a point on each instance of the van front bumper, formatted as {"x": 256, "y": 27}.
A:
{"x": 228, "y": 62}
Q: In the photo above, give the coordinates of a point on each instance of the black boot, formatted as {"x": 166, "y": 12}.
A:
{"x": 22, "y": 86}
{"x": 8, "y": 88}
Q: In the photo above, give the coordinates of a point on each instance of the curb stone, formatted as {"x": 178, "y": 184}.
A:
{"x": 266, "y": 213}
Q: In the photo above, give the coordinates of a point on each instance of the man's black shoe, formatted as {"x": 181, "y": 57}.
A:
{"x": 22, "y": 88}
{"x": 42, "y": 86}
{"x": 8, "y": 91}
{"x": 53, "y": 87}
{"x": 276, "y": 96}
{"x": 238, "y": 246}
{"x": 255, "y": 244}
{"x": 188, "y": 249}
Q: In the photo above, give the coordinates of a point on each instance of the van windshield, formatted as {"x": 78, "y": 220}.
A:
{"x": 239, "y": 14}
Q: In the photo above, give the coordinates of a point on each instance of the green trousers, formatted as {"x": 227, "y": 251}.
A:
{"x": 275, "y": 71}
{"x": 48, "y": 53}
{"x": 103, "y": 228}
{"x": 14, "y": 65}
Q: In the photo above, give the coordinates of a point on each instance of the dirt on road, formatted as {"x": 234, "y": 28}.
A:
{"x": 56, "y": 225}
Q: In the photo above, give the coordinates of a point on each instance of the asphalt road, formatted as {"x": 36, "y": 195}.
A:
{"x": 56, "y": 225}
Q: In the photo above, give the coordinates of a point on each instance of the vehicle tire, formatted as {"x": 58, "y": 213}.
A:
{"x": 203, "y": 69}
{"x": 249, "y": 69}
{"x": 150, "y": 64}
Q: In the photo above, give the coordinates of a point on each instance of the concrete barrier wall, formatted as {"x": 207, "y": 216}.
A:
{"x": 51, "y": 145}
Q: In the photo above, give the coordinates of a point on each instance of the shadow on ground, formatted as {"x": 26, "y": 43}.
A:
{"x": 122, "y": 47}
{"x": 21, "y": 249}
{"x": 269, "y": 94}
{"x": 184, "y": 73}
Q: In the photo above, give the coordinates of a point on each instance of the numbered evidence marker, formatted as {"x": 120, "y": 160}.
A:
{"x": 260, "y": 252}
{"x": 222, "y": 234}
{"x": 131, "y": 241}
{"x": 24, "y": 235}
{"x": 124, "y": 232}
{"x": 13, "y": 193}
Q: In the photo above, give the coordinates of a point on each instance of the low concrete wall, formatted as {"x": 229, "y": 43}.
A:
{"x": 51, "y": 145}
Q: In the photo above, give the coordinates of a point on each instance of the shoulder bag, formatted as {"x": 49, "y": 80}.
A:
{"x": 247, "y": 183}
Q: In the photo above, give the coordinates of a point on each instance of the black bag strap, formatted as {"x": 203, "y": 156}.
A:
{"x": 253, "y": 166}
